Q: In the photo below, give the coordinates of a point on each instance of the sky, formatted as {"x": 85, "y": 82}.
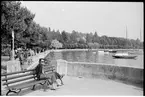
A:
{"x": 106, "y": 18}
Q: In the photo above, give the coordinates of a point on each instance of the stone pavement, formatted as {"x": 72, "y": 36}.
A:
{"x": 86, "y": 86}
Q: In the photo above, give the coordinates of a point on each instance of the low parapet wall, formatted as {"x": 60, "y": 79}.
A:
{"x": 94, "y": 70}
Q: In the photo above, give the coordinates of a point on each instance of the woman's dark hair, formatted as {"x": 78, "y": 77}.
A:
{"x": 41, "y": 59}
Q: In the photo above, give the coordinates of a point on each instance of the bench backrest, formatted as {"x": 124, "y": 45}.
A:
{"x": 48, "y": 69}
{"x": 18, "y": 77}
{"x": 21, "y": 76}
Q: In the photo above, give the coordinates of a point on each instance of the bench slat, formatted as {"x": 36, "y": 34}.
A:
{"x": 5, "y": 74}
{"x": 45, "y": 66}
{"x": 17, "y": 76}
{"x": 14, "y": 81}
{"x": 48, "y": 66}
{"x": 50, "y": 69}
{"x": 24, "y": 85}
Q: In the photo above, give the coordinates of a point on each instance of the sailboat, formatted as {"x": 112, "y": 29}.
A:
{"x": 112, "y": 51}
{"x": 124, "y": 55}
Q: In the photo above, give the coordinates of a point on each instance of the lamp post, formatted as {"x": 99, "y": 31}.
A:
{"x": 13, "y": 53}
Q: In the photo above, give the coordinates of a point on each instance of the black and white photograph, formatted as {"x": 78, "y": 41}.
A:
{"x": 72, "y": 48}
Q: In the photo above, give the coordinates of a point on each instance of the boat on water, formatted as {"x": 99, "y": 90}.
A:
{"x": 112, "y": 51}
{"x": 106, "y": 52}
{"x": 124, "y": 56}
{"x": 101, "y": 52}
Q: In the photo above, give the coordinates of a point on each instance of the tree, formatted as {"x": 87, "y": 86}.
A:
{"x": 56, "y": 44}
{"x": 74, "y": 36}
{"x": 89, "y": 37}
{"x": 47, "y": 43}
{"x": 16, "y": 18}
{"x": 90, "y": 45}
{"x": 64, "y": 36}
{"x": 82, "y": 40}
{"x": 96, "y": 45}
{"x": 96, "y": 38}
{"x": 20, "y": 20}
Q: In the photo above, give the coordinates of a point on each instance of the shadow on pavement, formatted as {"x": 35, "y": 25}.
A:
{"x": 137, "y": 85}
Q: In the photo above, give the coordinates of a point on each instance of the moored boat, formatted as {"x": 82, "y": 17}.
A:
{"x": 112, "y": 51}
{"x": 101, "y": 52}
{"x": 124, "y": 55}
{"x": 106, "y": 52}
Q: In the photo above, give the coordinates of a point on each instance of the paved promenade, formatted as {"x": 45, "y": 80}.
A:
{"x": 36, "y": 59}
{"x": 85, "y": 86}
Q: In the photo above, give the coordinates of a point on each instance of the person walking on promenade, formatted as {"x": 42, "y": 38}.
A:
{"x": 21, "y": 59}
{"x": 30, "y": 54}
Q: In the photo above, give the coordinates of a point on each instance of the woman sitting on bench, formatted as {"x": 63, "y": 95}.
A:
{"x": 51, "y": 78}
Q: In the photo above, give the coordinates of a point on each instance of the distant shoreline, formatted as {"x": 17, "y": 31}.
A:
{"x": 57, "y": 50}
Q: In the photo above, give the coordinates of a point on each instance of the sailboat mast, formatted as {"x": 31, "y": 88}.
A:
{"x": 126, "y": 37}
{"x": 140, "y": 34}
{"x": 126, "y": 32}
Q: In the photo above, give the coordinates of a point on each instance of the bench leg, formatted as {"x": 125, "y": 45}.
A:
{"x": 8, "y": 92}
{"x": 41, "y": 84}
{"x": 33, "y": 87}
{"x": 19, "y": 91}
{"x": 13, "y": 92}
{"x": 44, "y": 85}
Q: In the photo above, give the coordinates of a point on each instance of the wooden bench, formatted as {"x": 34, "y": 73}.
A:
{"x": 16, "y": 81}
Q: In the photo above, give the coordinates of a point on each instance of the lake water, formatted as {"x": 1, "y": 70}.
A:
{"x": 96, "y": 57}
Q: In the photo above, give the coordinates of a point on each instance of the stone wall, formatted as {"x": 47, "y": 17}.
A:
{"x": 61, "y": 67}
{"x": 13, "y": 66}
{"x": 100, "y": 70}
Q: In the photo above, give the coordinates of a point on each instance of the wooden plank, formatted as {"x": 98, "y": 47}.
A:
{"x": 14, "y": 81}
{"x": 17, "y": 76}
{"x": 48, "y": 67}
{"x": 16, "y": 72}
{"x": 24, "y": 85}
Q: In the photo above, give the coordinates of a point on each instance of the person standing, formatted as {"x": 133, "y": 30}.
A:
{"x": 21, "y": 59}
